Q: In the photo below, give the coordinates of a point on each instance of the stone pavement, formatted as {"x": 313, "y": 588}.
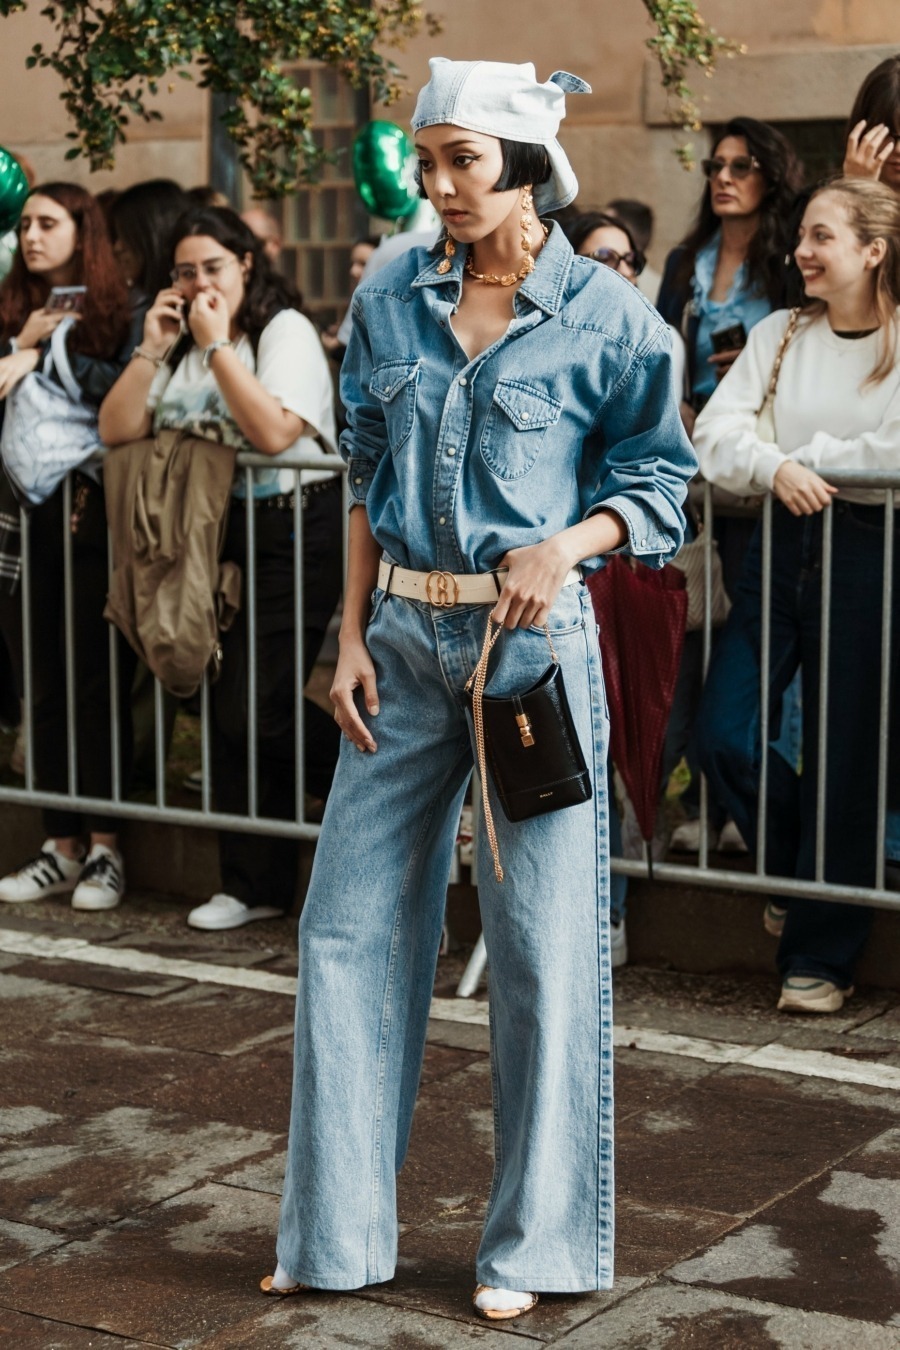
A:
{"x": 143, "y": 1117}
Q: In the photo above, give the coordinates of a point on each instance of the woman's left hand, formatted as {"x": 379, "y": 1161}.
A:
{"x": 536, "y": 575}
{"x": 15, "y": 367}
{"x": 208, "y": 319}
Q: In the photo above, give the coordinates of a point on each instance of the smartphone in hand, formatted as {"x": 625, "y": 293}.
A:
{"x": 66, "y": 300}
{"x": 729, "y": 339}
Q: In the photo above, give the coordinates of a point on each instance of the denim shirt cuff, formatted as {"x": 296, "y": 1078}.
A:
{"x": 644, "y": 540}
{"x": 359, "y": 477}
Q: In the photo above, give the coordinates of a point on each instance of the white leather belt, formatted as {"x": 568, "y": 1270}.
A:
{"x": 446, "y": 589}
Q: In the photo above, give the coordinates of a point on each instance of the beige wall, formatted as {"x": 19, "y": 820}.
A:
{"x": 33, "y": 121}
{"x": 805, "y": 60}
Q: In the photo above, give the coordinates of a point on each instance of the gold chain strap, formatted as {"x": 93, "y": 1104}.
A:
{"x": 476, "y": 683}
{"x": 779, "y": 357}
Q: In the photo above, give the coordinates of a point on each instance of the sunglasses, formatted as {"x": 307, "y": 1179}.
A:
{"x": 610, "y": 258}
{"x": 739, "y": 168}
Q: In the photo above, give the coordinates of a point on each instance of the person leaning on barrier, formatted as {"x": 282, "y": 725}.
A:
{"x": 227, "y": 355}
{"x": 837, "y": 406}
{"x": 64, "y": 242}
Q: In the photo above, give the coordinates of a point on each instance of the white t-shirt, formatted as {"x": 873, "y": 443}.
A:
{"x": 826, "y": 416}
{"x": 290, "y": 365}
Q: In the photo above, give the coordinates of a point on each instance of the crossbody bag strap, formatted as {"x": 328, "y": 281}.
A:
{"x": 779, "y": 357}
{"x": 475, "y": 684}
{"x": 59, "y": 359}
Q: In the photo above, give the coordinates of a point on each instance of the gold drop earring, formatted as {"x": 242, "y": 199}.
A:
{"x": 449, "y": 254}
{"x": 526, "y": 223}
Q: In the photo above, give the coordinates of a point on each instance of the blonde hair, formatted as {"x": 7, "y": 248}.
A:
{"x": 873, "y": 212}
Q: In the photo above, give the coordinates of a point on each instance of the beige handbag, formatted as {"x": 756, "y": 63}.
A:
{"x": 689, "y": 560}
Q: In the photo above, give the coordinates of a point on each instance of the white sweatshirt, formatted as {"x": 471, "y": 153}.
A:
{"x": 826, "y": 416}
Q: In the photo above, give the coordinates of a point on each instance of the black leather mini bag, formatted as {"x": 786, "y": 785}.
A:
{"x": 529, "y": 743}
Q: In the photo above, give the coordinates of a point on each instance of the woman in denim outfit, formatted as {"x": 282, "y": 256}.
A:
{"x": 500, "y": 433}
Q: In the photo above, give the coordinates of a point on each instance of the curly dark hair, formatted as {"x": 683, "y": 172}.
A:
{"x": 784, "y": 177}
{"x": 103, "y": 326}
{"x": 266, "y": 292}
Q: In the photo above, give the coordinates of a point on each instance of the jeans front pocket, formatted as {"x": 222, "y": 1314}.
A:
{"x": 394, "y": 383}
{"x": 516, "y": 426}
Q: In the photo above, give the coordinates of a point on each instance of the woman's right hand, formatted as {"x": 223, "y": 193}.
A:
{"x": 39, "y": 326}
{"x": 355, "y": 670}
{"x": 15, "y": 367}
{"x": 802, "y": 490}
{"x": 163, "y": 322}
{"x": 867, "y": 150}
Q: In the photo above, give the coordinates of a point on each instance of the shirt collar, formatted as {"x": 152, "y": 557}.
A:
{"x": 544, "y": 287}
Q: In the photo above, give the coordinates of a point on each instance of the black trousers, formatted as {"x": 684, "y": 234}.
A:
{"x": 91, "y": 650}
{"x": 262, "y": 870}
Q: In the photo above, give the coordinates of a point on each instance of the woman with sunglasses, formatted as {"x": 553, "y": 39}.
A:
{"x": 728, "y": 273}
{"x": 836, "y": 406}
{"x": 227, "y": 355}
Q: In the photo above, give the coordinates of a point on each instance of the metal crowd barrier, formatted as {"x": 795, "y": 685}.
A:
{"x": 701, "y": 873}
{"x": 758, "y": 879}
{"x": 160, "y": 809}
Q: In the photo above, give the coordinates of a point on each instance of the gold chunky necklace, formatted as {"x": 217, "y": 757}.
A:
{"x": 508, "y": 278}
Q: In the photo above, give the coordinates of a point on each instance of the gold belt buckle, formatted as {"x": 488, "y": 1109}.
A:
{"x": 442, "y": 589}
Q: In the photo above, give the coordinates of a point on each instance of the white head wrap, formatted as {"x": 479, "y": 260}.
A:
{"x": 503, "y": 100}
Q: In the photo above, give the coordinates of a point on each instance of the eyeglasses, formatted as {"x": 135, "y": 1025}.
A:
{"x": 741, "y": 167}
{"x": 610, "y": 258}
{"x": 188, "y": 272}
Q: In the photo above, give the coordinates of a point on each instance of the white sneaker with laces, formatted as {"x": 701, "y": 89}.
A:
{"x": 102, "y": 881}
{"x": 618, "y": 944}
{"x": 50, "y": 873}
{"x": 225, "y": 911}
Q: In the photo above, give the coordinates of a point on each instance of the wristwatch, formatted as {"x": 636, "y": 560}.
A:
{"x": 210, "y": 351}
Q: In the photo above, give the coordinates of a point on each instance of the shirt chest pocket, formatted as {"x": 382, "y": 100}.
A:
{"x": 516, "y": 427}
{"x": 394, "y": 384}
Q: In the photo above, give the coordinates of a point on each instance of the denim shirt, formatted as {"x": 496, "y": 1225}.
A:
{"x": 740, "y": 305}
{"x": 571, "y": 411}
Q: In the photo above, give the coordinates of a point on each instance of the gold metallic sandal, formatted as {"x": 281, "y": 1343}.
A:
{"x": 267, "y": 1287}
{"x": 500, "y": 1314}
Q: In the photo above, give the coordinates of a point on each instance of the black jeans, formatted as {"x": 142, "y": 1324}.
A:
{"x": 262, "y": 869}
{"x": 821, "y": 938}
{"x": 92, "y": 676}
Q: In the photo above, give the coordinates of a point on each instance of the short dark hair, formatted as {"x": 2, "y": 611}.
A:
{"x": 582, "y": 226}
{"x": 637, "y": 217}
{"x": 142, "y": 217}
{"x": 523, "y": 163}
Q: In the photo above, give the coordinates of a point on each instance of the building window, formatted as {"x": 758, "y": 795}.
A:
{"x": 321, "y": 223}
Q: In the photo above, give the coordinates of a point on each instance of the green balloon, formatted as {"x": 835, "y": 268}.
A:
{"x": 13, "y": 191}
{"x": 384, "y": 164}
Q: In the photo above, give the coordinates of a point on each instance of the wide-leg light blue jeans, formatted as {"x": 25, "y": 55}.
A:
{"x": 369, "y": 939}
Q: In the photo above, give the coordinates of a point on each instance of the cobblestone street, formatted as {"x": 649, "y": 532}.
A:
{"x": 144, "y": 1099}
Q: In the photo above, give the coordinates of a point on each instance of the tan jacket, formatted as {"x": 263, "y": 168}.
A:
{"x": 167, "y": 502}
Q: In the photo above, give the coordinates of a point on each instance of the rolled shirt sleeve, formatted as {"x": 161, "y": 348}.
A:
{"x": 364, "y": 441}
{"x": 641, "y": 458}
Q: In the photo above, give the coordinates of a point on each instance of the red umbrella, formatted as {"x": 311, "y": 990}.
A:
{"x": 642, "y": 614}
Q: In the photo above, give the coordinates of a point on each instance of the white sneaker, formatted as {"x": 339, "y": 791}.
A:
{"x": 804, "y": 993}
{"x": 50, "y": 873}
{"x": 686, "y": 839}
{"x": 224, "y": 911}
{"x": 102, "y": 881}
{"x": 730, "y": 840}
{"x": 618, "y": 944}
